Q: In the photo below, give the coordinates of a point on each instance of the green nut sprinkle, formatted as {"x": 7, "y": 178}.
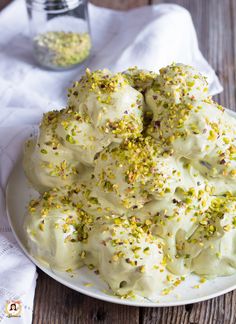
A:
{"x": 70, "y": 139}
{"x": 62, "y": 49}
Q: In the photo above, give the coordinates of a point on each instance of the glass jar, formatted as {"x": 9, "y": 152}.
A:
{"x": 60, "y": 32}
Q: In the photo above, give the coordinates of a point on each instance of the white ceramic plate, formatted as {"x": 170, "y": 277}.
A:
{"x": 19, "y": 193}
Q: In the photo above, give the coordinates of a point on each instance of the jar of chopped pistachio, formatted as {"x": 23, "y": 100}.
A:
{"x": 60, "y": 32}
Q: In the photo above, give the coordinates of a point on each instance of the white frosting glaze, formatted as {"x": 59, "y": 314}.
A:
{"x": 109, "y": 103}
{"x": 144, "y": 190}
{"x": 51, "y": 225}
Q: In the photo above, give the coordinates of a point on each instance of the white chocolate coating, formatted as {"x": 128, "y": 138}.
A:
{"x": 133, "y": 173}
{"x": 109, "y": 103}
{"x": 48, "y": 163}
{"x": 143, "y": 200}
{"x": 51, "y": 226}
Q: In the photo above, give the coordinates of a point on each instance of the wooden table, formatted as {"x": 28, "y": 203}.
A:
{"x": 215, "y": 22}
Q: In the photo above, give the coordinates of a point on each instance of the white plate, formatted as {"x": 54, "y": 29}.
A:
{"x": 19, "y": 193}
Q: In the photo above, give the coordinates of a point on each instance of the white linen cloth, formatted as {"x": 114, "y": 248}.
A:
{"x": 149, "y": 37}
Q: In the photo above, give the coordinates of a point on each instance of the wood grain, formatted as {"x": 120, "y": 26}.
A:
{"x": 120, "y": 4}
{"x": 57, "y": 304}
{"x": 215, "y": 22}
{"x": 4, "y": 3}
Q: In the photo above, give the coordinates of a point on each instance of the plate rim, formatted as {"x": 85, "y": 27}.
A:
{"x": 111, "y": 299}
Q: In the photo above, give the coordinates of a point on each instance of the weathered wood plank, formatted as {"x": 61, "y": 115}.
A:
{"x": 219, "y": 310}
{"x": 57, "y": 304}
{"x": 4, "y": 3}
{"x": 120, "y": 4}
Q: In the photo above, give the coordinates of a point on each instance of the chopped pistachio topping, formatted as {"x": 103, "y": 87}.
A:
{"x": 62, "y": 49}
{"x": 139, "y": 170}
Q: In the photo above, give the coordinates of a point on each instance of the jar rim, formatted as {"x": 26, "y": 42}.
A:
{"x": 53, "y": 6}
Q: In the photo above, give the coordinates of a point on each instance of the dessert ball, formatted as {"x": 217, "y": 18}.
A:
{"x": 48, "y": 163}
{"x": 109, "y": 103}
{"x": 80, "y": 137}
{"x": 140, "y": 79}
{"x": 56, "y": 230}
{"x": 136, "y": 171}
{"x": 174, "y": 220}
{"x": 212, "y": 244}
{"x": 175, "y": 84}
{"x": 127, "y": 257}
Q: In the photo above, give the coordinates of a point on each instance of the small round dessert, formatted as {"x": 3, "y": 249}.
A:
{"x": 56, "y": 229}
{"x": 109, "y": 103}
{"x": 183, "y": 115}
{"x": 135, "y": 171}
{"x": 204, "y": 133}
{"x": 212, "y": 244}
{"x": 191, "y": 130}
{"x": 80, "y": 137}
{"x": 127, "y": 256}
{"x": 174, "y": 220}
{"x": 218, "y": 161}
{"x": 139, "y": 79}
{"x": 176, "y": 83}
{"x": 48, "y": 163}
